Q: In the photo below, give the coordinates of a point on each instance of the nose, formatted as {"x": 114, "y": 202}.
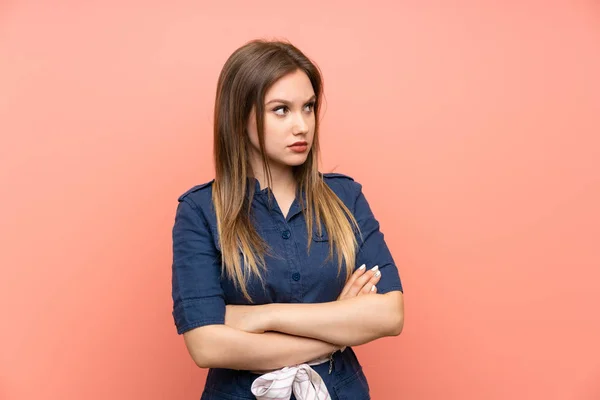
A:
{"x": 300, "y": 125}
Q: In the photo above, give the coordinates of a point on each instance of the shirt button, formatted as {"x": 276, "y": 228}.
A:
{"x": 296, "y": 276}
{"x": 286, "y": 234}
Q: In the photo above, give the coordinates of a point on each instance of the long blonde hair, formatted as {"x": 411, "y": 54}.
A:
{"x": 245, "y": 78}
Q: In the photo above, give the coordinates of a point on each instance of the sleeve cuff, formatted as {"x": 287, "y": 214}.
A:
{"x": 193, "y": 313}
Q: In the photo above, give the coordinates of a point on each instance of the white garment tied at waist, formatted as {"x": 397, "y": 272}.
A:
{"x": 301, "y": 379}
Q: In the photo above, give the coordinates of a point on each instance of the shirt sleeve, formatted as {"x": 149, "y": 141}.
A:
{"x": 198, "y": 297}
{"x": 372, "y": 247}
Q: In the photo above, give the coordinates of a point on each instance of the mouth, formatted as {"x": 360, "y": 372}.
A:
{"x": 299, "y": 147}
{"x": 299, "y": 144}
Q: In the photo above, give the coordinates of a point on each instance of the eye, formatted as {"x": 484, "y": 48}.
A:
{"x": 280, "y": 108}
{"x": 285, "y": 109}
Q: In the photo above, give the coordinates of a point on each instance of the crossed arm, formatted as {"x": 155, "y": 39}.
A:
{"x": 271, "y": 336}
{"x": 349, "y": 322}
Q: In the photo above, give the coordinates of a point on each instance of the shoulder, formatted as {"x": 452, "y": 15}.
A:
{"x": 336, "y": 176}
{"x": 198, "y": 195}
{"x": 345, "y": 186}
{"x": 336, "y": 179}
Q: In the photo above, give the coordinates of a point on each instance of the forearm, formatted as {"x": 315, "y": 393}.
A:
{"x": 349, "y": 322}
{"x": 220, "y": 346}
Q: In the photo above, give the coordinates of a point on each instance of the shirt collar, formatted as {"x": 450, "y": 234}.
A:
{"x": 264, "y": 192}
{"x": 251, "y": 181}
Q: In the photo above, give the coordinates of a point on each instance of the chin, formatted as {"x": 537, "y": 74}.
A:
{"x": 290, "y": 160}
{"x": 296, "y": 161}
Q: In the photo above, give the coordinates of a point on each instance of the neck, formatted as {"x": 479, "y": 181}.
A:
{"x": 282, "y": 177}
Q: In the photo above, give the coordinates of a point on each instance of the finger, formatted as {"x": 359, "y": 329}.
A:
{"x": 361, "y": 281}
{"x": 359, "y": 271}
{"x": 348, "y": 286}
{"x": 367, "y": 288}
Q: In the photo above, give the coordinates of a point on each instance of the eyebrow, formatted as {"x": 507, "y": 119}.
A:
{"x": 314, "y": 97}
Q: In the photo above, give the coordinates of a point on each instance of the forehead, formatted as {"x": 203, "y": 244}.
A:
{"x": 294, "y": 87}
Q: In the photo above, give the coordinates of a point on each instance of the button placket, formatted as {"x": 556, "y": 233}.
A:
{"x": 291, "y": 255}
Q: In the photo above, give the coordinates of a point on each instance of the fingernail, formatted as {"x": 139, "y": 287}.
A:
{"x": 377, "y": 273}
{"x": 375, "y": 268}
{"x": 363, "y": 266}
{"x": 373, "y": 288}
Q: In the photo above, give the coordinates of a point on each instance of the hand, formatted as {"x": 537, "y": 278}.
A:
{"x": 361, "y": 282}
{"x": 245, "y": 318}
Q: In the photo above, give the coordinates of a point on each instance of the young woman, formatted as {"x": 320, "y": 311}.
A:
{"x": 278, "y": 269}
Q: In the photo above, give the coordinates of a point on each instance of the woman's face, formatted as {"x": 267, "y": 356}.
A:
{"x": 289, "y": 122}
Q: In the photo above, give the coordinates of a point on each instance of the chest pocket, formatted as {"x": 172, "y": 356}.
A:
{"x": 320, "y": 245}
{"x": 319, "y": 237}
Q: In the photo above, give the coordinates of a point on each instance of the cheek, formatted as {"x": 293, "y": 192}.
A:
{"x": 274, "y": 132}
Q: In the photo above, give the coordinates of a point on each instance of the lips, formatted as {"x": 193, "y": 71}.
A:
{"x": 299, "y": 144}
{"x": 299, "y": 147}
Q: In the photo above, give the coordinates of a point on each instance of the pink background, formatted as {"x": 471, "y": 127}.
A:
{"x": 473, "y": 126}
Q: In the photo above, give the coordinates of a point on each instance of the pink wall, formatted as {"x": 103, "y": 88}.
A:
{"x": 474, "y": 128}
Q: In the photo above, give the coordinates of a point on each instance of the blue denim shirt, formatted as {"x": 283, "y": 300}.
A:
{"x": 293, "y": 275}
